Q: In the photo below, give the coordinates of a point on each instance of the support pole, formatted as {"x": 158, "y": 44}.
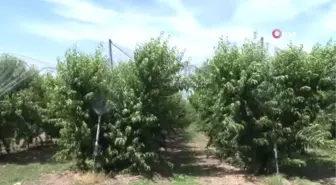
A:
{"x": 95, "y": 152}
{"x": 110, "y": 52}
{"x": 275, "y": 149}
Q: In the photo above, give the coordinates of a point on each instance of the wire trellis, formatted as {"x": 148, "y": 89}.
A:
{"x": 11, "y": 78}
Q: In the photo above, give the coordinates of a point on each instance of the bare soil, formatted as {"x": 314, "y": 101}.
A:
{"x": 190, "y": 158}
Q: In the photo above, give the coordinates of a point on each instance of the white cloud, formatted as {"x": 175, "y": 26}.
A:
{"x": 265, "y": 11}
{"x": 83, "y": 11}
{"x": 270, "y": 11}
{"x": 129, "y": 28}
{"x": 330, "y": 19}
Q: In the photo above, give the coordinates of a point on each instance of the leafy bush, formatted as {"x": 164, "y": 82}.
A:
{"x": 20, "y": 105}
{"x": 144, "y": 99}
{"x": 252, "y": 104}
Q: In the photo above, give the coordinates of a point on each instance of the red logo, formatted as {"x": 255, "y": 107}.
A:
{"x": 276, "y": 33}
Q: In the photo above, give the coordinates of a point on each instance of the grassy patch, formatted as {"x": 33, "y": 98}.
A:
{"x": 281, "y": 180}
{"x": 320, "y": 166}
{"x": 142, "y": 182}
{"x": 176, "y": 180}
{"x": 275, "y": 180}
{"x": 183, "y": 180}
{"x": 299, "y": 181}
{"x": 29, "y": 165}
{"x": 13, "y": 173}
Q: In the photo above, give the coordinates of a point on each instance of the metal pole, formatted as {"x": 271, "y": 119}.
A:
{"x": 275, "y": 149}
{"x": 95, "y": 152}
{"x": 110, "y": 51}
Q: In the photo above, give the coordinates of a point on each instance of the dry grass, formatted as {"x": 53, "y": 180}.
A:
{"x": 281, "y": 180}
{"x": 90, "y": 178}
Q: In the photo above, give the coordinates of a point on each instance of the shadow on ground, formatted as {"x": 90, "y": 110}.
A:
{"x": 36, "y": 154}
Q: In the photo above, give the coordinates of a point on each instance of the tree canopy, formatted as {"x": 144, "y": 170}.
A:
{"x": 248, "y": 103}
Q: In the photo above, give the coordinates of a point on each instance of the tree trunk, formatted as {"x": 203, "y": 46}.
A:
{"x": 41, "y": 140}
{"x": 263, "y": 164}
{"x": 27, "y": 144}
{"x": 303, "y": 151}
{"x": 6, "y": 145}
{"x": 0, "y": 148}
{"x": 289, "y": 152}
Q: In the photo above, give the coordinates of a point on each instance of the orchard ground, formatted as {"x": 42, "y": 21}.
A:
{"x": 192, "y": 166}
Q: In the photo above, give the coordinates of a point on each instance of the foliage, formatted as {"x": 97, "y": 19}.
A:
{"x": 144, "y": 102}
{"x": 248, "y": 103}
{"x": 252, "y": 104}
{"x": 20, "y": 101}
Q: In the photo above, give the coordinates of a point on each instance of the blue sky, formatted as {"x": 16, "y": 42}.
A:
{"x": 44, "y": 29}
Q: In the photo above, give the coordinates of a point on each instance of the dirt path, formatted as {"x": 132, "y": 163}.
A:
{"x": 190, "y": 158}
{"x": 217, "y": 172}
